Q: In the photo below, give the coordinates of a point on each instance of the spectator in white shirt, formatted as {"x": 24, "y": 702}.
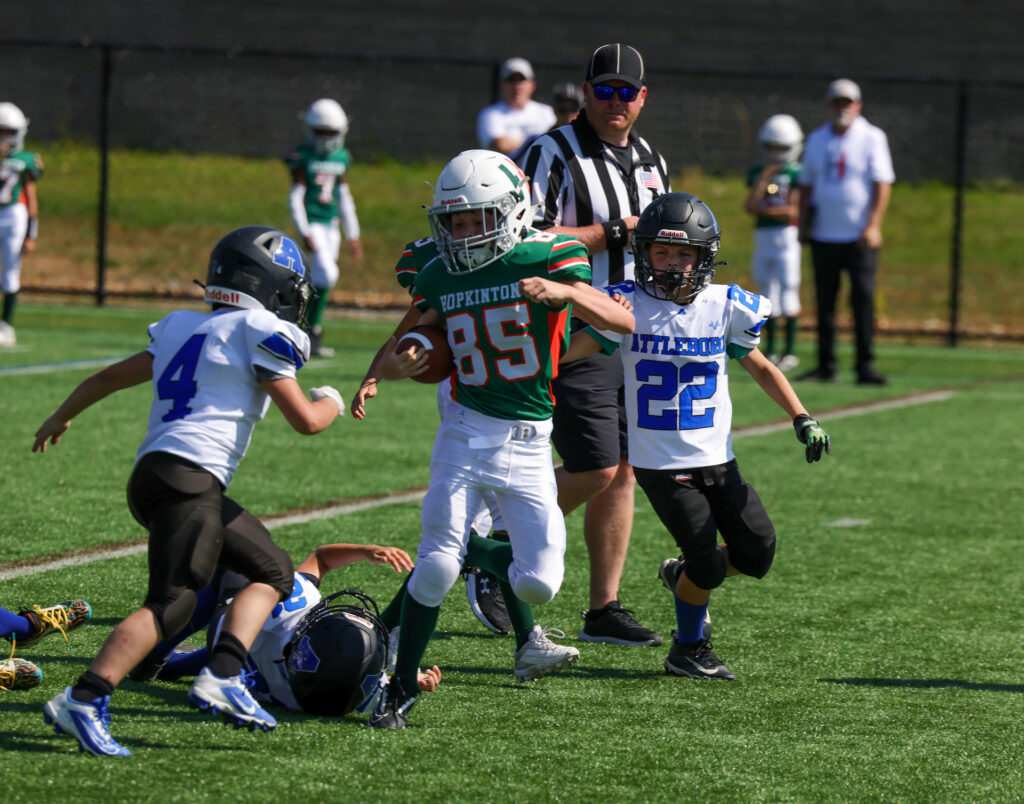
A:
{"x": 846, "y": 181}
{"x": 506, "y": 125}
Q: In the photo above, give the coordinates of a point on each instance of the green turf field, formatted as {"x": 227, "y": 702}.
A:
{"x": 879, "y": 660}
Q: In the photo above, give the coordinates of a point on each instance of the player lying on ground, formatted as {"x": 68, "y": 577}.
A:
{"x": 348, "y": 673}
{"x": 494, "y": 435}
{"x": 214, "y": 376}
{"x": 680, "y": 413}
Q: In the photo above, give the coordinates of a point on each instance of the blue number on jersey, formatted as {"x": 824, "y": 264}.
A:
{"x": 178, "y": 383}
{"x": 296, "y": 601}
{"x": 748, "y": 300}
{"x": 681, "y": 418}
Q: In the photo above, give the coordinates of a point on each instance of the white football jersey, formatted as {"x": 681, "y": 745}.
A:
{"x": 677, "y": 373}
{"x": 266, "y": 656}
{"x": 206, "y": 391}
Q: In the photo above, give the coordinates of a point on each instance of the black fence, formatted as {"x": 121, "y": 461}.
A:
{"x": 245, "y": 101}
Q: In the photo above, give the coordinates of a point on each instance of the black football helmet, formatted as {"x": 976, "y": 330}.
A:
{"x": 337, "y": 654}
{"x": 676, "y": 219}
{"x": 259, "y": 266}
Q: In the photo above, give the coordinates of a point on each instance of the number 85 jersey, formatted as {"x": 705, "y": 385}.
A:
{"x": 207, "y": 369}
{"x": 676, "y": 366}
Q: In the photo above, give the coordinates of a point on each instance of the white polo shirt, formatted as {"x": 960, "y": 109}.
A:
{"x": 840, "y": 169}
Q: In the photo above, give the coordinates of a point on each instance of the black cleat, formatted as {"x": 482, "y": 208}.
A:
{"x": 486, "y": 601}
{"x": 394, "y": 705}
{"x": 695, "y": 660}
{"x": 871, "y": 377}
{"x": 616, "y": 625}
{"x": 818, "y": 374}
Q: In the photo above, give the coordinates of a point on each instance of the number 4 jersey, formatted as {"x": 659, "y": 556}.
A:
{"x": 676, "y": 367}
{"x": 207, "y": 369}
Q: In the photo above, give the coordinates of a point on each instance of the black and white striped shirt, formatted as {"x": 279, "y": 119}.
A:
{"x": 578, "y": 181}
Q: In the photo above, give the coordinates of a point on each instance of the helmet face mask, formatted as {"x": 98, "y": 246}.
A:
{"x": 780, "y": 140}
{"x": 337, "y": 654}
{"x": 13, "y": 128}
{"x": 484, "y": 183}
{"x": 260, "y": 267}
{"x": 326, "y": 125}
{"x": 676, "y": 219}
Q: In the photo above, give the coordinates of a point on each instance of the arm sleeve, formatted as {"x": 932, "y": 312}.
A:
{"x": 881, "y": 159}
{"x": 347, "y": 208}
{"x": 297, "y": 206}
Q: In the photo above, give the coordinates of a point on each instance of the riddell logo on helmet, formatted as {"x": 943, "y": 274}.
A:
{"x": 223, "y": 296}
{"x": 459, "y": 199}
{"x": 673, "y": 233}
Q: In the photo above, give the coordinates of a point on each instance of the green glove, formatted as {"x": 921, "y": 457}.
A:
{"x": 809, "y": 432}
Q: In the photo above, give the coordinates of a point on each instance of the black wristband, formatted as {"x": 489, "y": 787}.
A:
{"x": 615, "y": 233}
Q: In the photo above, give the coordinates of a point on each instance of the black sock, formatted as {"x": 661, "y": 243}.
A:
{"x": 228, "y": 656}
{"x": 89, "y": 686}
{"x": 10, "y": 300}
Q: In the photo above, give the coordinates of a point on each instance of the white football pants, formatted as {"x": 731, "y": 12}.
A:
{"x": 474, "y": 454}
{"x": 327, "y": 239}
{"x": 13, "y": 228}
{"x": 776, "y": 268}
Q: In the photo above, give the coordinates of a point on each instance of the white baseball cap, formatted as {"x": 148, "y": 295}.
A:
{"x": 516, "y": 66}
{"x": 843, "y": 88}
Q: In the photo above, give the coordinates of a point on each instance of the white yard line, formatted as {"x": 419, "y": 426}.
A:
{"x": 68, "y": 365}
{"x": 341, "y": 509}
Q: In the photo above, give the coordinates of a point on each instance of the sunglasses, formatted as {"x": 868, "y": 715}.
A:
{"x": 604, "y": 92}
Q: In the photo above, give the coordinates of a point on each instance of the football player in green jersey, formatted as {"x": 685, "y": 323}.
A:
{"x": 504, "y": 293}
{"x": 19, "y": 209}
{"x": 319, "y": 196}
{"x": 774, "y": 201}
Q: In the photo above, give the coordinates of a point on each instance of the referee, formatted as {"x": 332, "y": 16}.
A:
{"x": 592, "y": 178}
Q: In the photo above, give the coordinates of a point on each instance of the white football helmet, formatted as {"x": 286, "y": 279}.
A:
{"x": 13, "y": 127}
{"x": 326, "y": 126}
{"x": 491, "y": 184}
{"x": 781, "y": 131}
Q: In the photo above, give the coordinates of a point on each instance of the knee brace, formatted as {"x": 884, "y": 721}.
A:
{"x": 532, "y": 590}
{"x": 435, "y": 574}
{"x": 753, "y": 560}
{"x": 707, "y": 571}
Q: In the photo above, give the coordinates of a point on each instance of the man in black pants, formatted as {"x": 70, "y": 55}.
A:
{"x": 846, "y": 179}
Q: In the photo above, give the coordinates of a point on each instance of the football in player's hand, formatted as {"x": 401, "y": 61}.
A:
{"x": 440, "y": 363}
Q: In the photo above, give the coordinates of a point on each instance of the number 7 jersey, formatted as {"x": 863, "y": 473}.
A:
{"x": 676, "y": 368}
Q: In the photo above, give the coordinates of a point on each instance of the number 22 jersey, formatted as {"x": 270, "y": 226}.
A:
{"x": 676, "y": 368}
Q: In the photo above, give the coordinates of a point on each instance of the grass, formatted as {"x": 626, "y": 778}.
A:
{"x": 167, "y": 209}
{"x": 876, "y": 661}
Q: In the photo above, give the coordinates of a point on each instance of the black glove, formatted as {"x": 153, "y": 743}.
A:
{"x": 809, "y": 432}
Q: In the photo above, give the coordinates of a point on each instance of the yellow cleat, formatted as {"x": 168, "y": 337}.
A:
{"x": 17, "y": 674}
{"x": 63, "y": 617}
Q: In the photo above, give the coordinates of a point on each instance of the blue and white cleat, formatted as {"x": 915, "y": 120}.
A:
{"x": 229, "y": 698}
{"x": 86, "y": 722}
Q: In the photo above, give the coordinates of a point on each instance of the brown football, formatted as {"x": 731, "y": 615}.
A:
{"x": 440, "y": 363}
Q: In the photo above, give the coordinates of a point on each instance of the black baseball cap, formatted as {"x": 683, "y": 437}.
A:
{"x": 616, "y": 62}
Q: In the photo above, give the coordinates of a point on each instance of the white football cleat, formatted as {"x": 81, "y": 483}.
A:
{"x": 7, "y": 335}
{"x": 540, "y": 656}
{"x": 229, "y": 698}
{"x": 86, "y": 722}
{"x": 788, "y": 363}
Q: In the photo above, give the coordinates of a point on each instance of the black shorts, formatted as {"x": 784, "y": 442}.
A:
{"x": 194, "y": 528}
{"x": 590, "y": 414}
{"x": 698, "y": 504}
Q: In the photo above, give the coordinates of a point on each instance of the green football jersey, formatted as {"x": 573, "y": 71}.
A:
{"x": 323, "y": 176}
{"x": 415, "y": 256}
{"x": 777, "y": 193}
{"x": 13, "y": 171}
{"x": 506, "y": 347}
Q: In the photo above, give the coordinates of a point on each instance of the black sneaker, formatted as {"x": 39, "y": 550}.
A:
{"x": 149, "y": 668}
{"x": 393, "y": 707}
{"x": 819, "y": 374}
{"x": 695, "y": 660}
{"x": 616, "y": 625}
{"x": 669, "y": 572}
{"x": 871, "y": 377}
{"x": 486, "y": 601}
